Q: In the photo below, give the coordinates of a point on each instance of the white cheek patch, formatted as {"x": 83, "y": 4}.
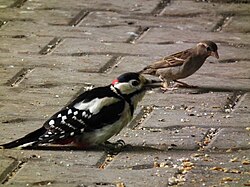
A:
{"x": 94, "y": 106}
{"x": 124, "y": 88}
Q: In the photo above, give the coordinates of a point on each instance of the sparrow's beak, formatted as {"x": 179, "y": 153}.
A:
{"x": 215, "y": 54}
{"x": 152, "y": 84}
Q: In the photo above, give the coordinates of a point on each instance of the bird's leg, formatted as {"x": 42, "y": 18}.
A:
{"x": 114, "y": 148}
{"x": 184, "y": 85}
{"x": 166, "y": 85}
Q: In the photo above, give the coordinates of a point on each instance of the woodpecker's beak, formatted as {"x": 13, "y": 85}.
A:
{"x": 215, "y": 54}
{"x": 152, "y": 84}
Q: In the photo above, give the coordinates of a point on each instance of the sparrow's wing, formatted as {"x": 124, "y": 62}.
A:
{"x": 173, "y": 60}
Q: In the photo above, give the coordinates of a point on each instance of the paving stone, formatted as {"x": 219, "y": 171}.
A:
{"x": 155, "y": 137}
{"x": 244, "y": 108}
{"x": 238, "y": 24}
{"x": 143, "y": 158}
{"x": 171, "y": 35}
{"x": 72, "y": 168}
{"x": 57, "y": 17}
{"x": 6, "y": 3}
{"x": 84, "y": 63}
{"x": 24, "y": 45}
{"x": 14, "y": 130}
{"x": 219, "y": 169}
{"x": 232, "y": 138}
{"x": 7, "y": 73}
{"x": 6, "y": 166}
{"x": 109, "y": 19}
{"x": 220, "y": 70}
{"x": 191, "y": 8}
{"x": 71, "y": 46}
{"x": 39, "y": 105}
{"x": 188, "y": 102}
{"x": 188, "y": 139}
{"x": 115, "y": 34}
{"x": 138, "y": 6}
{"x": 175, "y": 119}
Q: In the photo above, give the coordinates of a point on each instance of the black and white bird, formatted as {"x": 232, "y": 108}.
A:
{"x": 93, "y": 117}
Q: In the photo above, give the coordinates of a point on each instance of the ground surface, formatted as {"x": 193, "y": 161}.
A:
{"x": 50, "y": 50}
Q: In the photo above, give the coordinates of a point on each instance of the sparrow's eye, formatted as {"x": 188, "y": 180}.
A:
{"x": 135, "y": 82}
{"x": 209, "y": 49}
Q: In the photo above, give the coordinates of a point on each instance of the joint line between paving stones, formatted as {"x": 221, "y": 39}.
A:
{"x": 138, "y": 34}
{"x": 97, "y": 53}
{"x": 209, "y": 136}
{"x": 19, "y": 77}
{"x": 12, "y": 170}
{"x": 222, "y": 23}
{"x": 78, "y": 18}
{"x": 50, "y": 46}
{"x": 160, "y": 7}
{"x": 141, "y": 117}
{"x": 2, "y": 23}
{"x": 18, "y": 4}
{"x": 233, "y": 101}
{"x": 114, "y": 61}
{"x": 105, "y": 160}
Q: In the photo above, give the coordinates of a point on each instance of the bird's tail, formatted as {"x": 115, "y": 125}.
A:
{"x": 29, "y": 140}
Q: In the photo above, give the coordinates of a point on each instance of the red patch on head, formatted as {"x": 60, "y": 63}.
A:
{"x": 115, "y": 81}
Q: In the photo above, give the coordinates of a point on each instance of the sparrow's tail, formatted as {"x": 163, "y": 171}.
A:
{"x": 29, "y": 140}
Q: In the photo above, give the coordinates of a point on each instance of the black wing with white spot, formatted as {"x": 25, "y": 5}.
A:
{"x": 93, "y": 109}
{"x": 66, "y": 123}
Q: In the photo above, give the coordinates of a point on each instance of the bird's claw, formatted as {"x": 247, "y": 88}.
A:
{"x": 183, "y": 85}
{"x": 114, "y": 148}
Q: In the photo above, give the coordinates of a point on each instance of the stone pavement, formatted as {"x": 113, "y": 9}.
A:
{"x": 51, "y": 50}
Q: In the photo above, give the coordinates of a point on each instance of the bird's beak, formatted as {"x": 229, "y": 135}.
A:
{"x": 215, "y": 54}
{"x": 152, "y": 84}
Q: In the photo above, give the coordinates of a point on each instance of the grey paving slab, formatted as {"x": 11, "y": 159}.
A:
{"x": 175, "y": 119}
{"x": 7, "y": 73}
{"x": 188, "y": 137}
{"x": 6, "y": 166}
{"x": 20, "y": 28}
{"x": 220, "y": 169}
{"x": 165, "y": 35}
{"x": 232, "y": 138}
{"x": 43, "y": 75}
{"x": 6, "y": 3}
{"x": 75, "y": 175}
{"x": 71, "y": 46}
{"x": 58, "y": 17}
{"x": 190, "y": 8}
{"x": 238, "y": 24}
{"x": 138, "y": 6}
{"x": 181, "y": 139}
{"x": 226, "y": 70}
{"x": 24, "y": 45}
{"x": 201, "y": 23}
{"x": 84, "y": 63}
{"x": 188, "y": 102}
{"x": 244, "y": 105}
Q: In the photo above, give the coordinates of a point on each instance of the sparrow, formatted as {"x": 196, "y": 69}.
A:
{"x": 182, "y": 64}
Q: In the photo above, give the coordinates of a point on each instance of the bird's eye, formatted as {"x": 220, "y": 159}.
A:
{"x": 209, "y": 49}
{"x": 135, "y": 83}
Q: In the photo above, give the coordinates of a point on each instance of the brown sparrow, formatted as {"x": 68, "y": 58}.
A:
{"x": 183, "y": 64}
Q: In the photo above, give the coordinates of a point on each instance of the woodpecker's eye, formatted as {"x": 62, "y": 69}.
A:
{"x": 135, "y": 83}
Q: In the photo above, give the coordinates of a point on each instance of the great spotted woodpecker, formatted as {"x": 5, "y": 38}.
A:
{"x": 93, "y": 117}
